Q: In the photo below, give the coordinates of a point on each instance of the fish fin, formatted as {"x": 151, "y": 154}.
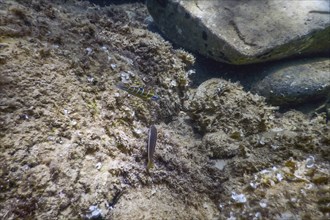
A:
{"x": 150, "y": 165}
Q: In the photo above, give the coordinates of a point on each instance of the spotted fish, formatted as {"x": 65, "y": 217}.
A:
{"x": 139, "y": 92}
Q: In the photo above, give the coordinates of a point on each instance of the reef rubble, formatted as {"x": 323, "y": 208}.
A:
{"x": 73, "y": 146}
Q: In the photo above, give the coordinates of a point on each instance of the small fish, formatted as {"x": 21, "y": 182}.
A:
{"x": 138, "y": 91}
{"x": 152, "y": 138}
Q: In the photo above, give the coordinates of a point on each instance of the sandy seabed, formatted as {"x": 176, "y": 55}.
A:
{"x": 73, "y": 146}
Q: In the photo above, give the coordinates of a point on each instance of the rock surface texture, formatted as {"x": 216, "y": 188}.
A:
{"x": 295, "y": 83}
{"x": 73, "y": 145}
{"x": 242, "y": 32}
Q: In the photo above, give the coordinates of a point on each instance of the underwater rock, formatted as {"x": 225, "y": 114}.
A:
{"x": 219, "y": 105}
{"x": 72, "y": 145}
{"x": 294, "y": 83}
{"x": 220, "y": 145}
{"x": 250, "y": 32}
{"x": 288, "y": 183}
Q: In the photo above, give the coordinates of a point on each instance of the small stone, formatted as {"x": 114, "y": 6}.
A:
{"x": 263, "y": 203}
{"x": 90, "y": 79}
{"x": 279, "y": 177}
{"x": 89, "y": 51}
{"x": 239, "y": 198}
{"x": 98, "y": 165}
{"x": 94, "y": 213}
{"x": 113, "y": 66}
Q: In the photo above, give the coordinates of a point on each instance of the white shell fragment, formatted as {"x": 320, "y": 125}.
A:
{"x": 310, "y": 161}
{"x": 94, "y": 212}
{"x": 89, "y": 51}
{"x": 263, "y": 203}
{"x": 239, "y": 198}
{"x": 98, "y": 165}
{"x": 279, "y": 177}
{"x": 90, "y": 79}
{"x": 125, "y": 77}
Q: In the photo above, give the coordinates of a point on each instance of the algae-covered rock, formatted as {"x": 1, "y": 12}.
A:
{"x": 73, "y": 144}
{"x": 296, "y": 82}
{"x": 220, "y": 145}
{"x": 241, "y": 32}
{"x": 249, "y": 143}
{"x": 287, "y": 188}
{"x": 221, "y": 105}
{"x": 68, "y": 134}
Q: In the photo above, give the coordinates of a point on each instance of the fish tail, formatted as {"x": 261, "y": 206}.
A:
{"x": 150, "y": 165}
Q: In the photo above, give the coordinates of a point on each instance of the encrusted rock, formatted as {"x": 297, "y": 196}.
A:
{"x": 73, "y": 146}
{"x": 222, "y": 105}
{"x": 295, "y": 83}
{"x": 241, "y": 32}
{"x": 220, "y": 145}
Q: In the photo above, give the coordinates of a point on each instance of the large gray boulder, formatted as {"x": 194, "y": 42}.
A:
{"x": 245, "y": 31}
